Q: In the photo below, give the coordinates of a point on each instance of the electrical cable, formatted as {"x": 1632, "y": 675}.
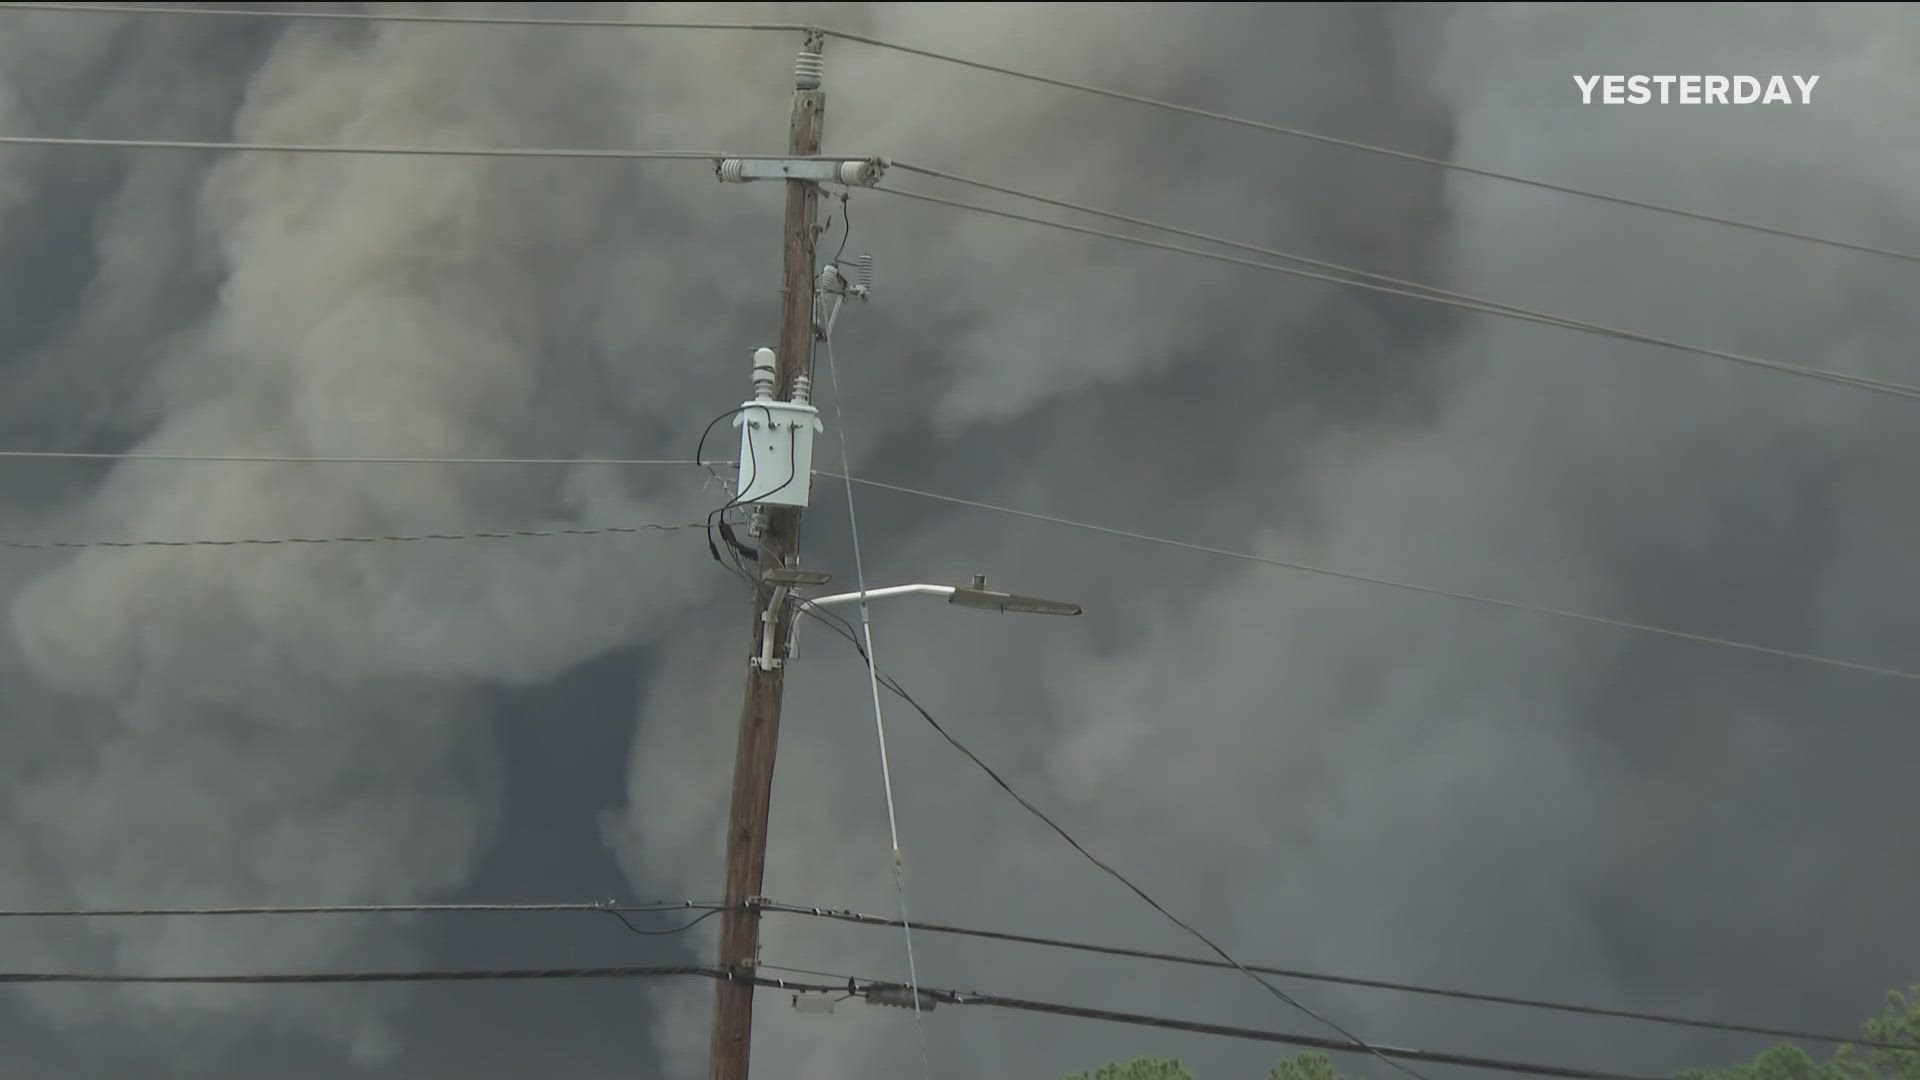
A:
{"x": 683, "y": 927}
{"x": 511, "y": 534}
{"x": 384, "y": 17}
{"x": 1286, "y": 564}
{"x": 873, "y": 682}
{"x": 288, "y": 459}
{"x": 808, "y": 971}
{"x": 475, "y": 975}
{"x": 1349, "y": 144}
{"x": 1475, "y": 302}
{"x": 1426, "y": 590}
{"x": 793, "y": 465}
{"x": 1342, "y": 980}
{"x": 1227, "y": 961}
{"x": 901, "y": 692}
{"x": 736, "y": 549}
{"x": 840, "y": 987}
{"x": 1429, "y": 295}
{"x": 846, "y": 225}
{"x": 1387, "y": 1053}
{"x": 997, "y": 69}
{"x": 699, "y": 454}
{"x": 859, "y": 918}
{"x": 734, "y": 546}
{"x": 352, "y": 909}
{"x": 383, "y": 151}
{"x": 742, "y": 551}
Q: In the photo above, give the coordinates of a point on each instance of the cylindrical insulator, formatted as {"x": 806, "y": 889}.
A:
{"x": 732, "y": 170}
{"x": 763, "y": 374}
{"x": 802, "y": 388}
{"x": 856, "y": 173}
{"x": 831, "y": 279}
{"x": 808, "y": 70}
{"x": 863, "y": 277}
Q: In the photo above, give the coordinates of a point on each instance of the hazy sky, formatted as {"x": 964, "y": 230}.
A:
{"x": 1322, "y": 774}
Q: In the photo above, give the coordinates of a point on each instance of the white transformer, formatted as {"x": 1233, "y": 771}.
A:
{"x": 776, "y": 440}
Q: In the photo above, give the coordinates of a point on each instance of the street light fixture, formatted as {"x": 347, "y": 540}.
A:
{"x": 979, "y": 596}
{"x": 976, "y": 595}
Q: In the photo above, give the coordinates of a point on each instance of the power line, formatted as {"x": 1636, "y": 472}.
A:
{"x": 286, "y": 978}
{"x": 381, "y": 151}
{"x": 683, "y": 970}
{"x": 1436, "y": 1057}
{"x": 349, "y": 909}
{"x": 892, "y": 684}
{"x": 620, "y": 911}
{"x": 681, "y": 929}
{"x": 381, "y": 17}
{"x": 998, "y": 69}
{"x": 294, "y": 459}
{"x": 764, "y": 966}
{"x": 1478, "y": 303}
{"x": 1343, "y": 980}
{"x": 858, "y": 918}
{"x": 1433, "y": 296}
{"x": 1349, "y": 144}
{"x": 1426, "y": 590}
{"x": 512, "y": 534}
{"x": 1287, "y": 564}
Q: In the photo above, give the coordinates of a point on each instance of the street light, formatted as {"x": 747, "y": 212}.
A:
{"x": 976, "y": 595}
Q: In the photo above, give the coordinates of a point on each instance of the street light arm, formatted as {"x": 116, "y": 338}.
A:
{"x": 976, "y": 596}
{"x": 880, "y": 594}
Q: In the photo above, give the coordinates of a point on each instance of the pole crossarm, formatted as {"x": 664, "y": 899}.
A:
{"x": 853, "y": 172}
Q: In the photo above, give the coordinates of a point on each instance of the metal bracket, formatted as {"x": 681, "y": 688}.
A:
{"x": 769, "y": 629}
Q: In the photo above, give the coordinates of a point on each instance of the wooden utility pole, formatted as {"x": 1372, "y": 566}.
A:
{"x": 760, "y": 713}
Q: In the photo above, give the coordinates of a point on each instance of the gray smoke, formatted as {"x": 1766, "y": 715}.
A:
{"x": 1320, "y": 773}
{"x": 221, "y": 725}
{"x": 1334, "y": 776}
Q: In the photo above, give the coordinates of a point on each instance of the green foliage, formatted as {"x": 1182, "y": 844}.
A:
{"x": 1139, "y": 1069}
{"x": 1898, "y": 1022}
{"x": 1307, "y": 1065}
{"x": 1780, "y": 1063}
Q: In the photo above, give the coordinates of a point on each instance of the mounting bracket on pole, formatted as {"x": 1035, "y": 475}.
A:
{"x": 854, "y": 172}
{"x": 769, "y": 627}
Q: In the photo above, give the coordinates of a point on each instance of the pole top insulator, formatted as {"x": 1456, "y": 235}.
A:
{"x": 808, "y": 68}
